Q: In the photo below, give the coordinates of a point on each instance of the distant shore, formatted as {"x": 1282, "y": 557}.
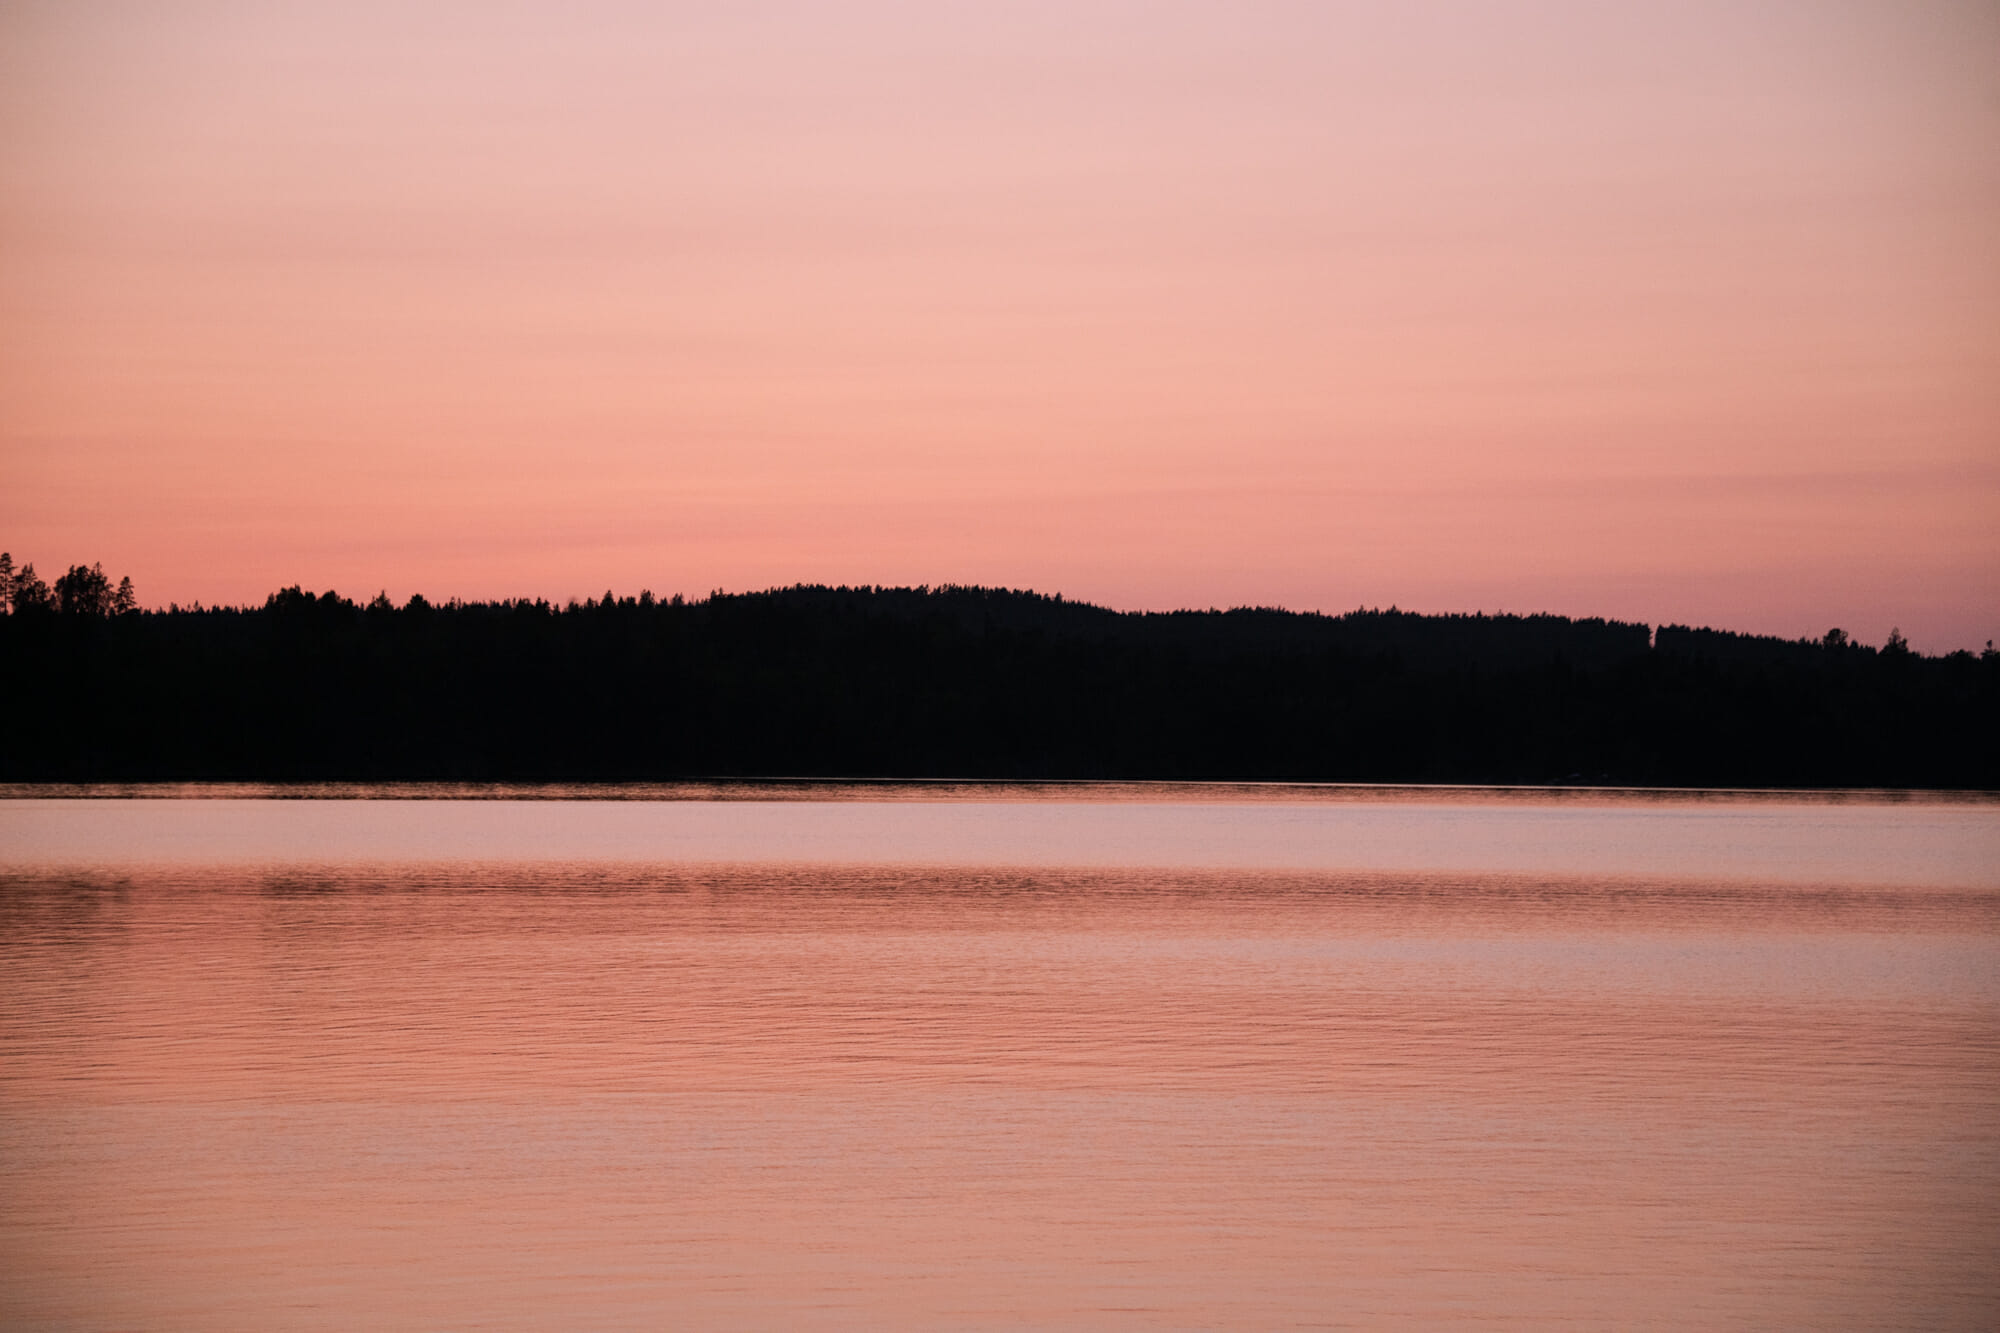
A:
{"x": 1086, "y": 790}
{"x": 983, "y": 685}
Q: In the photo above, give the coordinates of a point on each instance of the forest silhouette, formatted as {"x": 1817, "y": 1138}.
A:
{"x": 960, "y": 682}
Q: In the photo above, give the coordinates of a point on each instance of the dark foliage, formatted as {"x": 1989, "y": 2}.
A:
{"x": 959, "y": 682}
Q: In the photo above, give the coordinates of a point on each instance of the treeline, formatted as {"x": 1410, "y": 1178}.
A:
{"x": 956, "y": 682}
{"x": 83, "y": 591}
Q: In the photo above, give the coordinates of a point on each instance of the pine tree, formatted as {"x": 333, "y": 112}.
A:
{"x": 84, "y": 591}
{"x": 29, "y": 592}
{"x": 124, "y": 601}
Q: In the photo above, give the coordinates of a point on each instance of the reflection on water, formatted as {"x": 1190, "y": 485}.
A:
{"x": 1067, "y": 791}
{"x": 1929, "y": 843}
{"x": 598, "y": 1093}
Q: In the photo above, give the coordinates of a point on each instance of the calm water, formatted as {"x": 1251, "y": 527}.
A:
{"x": 1069, "y": 1058}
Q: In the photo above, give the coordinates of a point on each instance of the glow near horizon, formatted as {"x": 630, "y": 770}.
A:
{"x": 1665, "y": 313}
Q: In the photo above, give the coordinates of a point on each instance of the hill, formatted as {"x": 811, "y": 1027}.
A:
{"x": 964, "y": 682}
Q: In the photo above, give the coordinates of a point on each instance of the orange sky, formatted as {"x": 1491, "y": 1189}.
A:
{"x": 1675, "y": 312}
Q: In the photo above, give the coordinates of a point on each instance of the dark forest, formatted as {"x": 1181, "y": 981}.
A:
{"x": 957, "y": 682}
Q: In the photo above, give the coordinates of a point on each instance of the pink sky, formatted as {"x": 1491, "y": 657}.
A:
{"x": 1675, "y": 312}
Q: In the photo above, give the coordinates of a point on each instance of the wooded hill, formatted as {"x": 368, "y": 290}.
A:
{"x": 963, "y": 682}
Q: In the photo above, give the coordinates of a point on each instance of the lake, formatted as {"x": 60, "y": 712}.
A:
{"x": 959, "y": 1056}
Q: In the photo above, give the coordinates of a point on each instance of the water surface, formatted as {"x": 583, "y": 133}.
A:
{"x": 994, "y": 1059}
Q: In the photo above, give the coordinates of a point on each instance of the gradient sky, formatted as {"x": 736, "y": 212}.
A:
{"x": 1669, "y": 312}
